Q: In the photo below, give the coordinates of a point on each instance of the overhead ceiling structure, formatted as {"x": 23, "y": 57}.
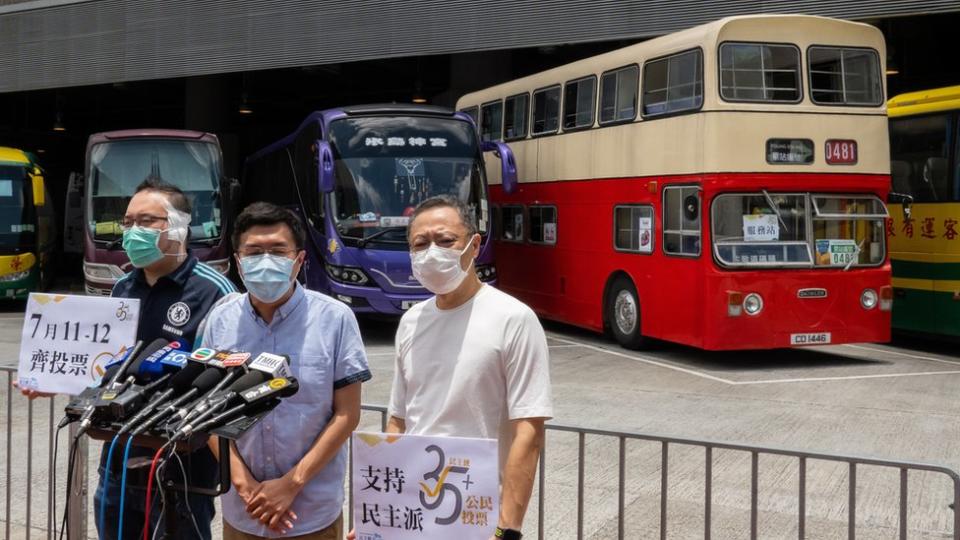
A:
{"x": 67, "y": 43}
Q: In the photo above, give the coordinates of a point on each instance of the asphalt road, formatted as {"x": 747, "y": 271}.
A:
{"x": 892, "y": 402}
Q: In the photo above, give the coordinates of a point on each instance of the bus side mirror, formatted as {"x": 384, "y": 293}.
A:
{"x": 905, "y": 200}
{"x": 39, "y": 192}
{"x": 508, "y": 165}
{"x": 325, "y": 163}
{"x": 691, "y": 207}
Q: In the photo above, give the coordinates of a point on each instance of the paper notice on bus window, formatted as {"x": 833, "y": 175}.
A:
{"x": 836, "y": 252}
{"x": 518, "y": 227}
{"x": 394, "y": 221}
{"x": 645, "y": 233}
{"x": 760, "y": 228}
{"x": 550, "y": 233}
{"x": 6, "y": 188}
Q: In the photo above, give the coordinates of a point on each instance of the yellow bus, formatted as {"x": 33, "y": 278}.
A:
{"x": 720, "y": 187}
{"x": 27, "y": 231}
{"x": 925, "y": 247}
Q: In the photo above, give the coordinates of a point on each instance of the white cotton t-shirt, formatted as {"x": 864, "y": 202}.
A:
{"x": 467, "y": 371}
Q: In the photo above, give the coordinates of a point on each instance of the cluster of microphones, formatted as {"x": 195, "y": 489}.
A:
{"x": 164, "y": 390}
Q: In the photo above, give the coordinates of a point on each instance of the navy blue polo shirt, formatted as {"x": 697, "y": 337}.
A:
{"x": 174, "y": 306}
{"x": 172, "y": 309}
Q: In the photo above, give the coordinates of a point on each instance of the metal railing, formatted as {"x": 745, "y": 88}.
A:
{"x": 78, "y": 495}
{"x": 666, "y": 443}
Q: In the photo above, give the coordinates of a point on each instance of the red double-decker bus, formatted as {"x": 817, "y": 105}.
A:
{"x": 720, "y": 187}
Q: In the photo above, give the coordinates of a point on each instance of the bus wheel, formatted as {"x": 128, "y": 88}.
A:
{"x": 623, "y": 314}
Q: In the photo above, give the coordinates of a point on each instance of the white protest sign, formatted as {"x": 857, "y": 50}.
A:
{"x": 67, "y": 340}
{"x": 760, "y": 228}
{"x": 415, "y": 487}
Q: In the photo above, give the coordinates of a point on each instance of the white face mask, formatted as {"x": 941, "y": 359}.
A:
{"x": 438, "y": 269}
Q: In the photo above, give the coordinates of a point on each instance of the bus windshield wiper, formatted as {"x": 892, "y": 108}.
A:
{"x": 856, "y": 255}
{"x": 775, "y": 208}
{"x": 367, "y": 239}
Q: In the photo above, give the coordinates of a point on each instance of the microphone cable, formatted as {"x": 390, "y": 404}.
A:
{"x": 123, "y": 486}
{"x": 102, "y": 513}
{"x": 72, "y": 462}
{"x": 153, "y": 471}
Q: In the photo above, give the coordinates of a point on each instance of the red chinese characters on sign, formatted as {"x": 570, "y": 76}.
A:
{"x": 891, "y": 230}
{"x": 950, "y": 230}
{"x": 16, "y": 264}
{"x": 907, "y": 227}
{"x": 928, "y": 229}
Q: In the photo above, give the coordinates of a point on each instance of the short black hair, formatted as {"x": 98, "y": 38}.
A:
{"x": 264, "y": 213}
{"x": 174, "y": 194}
{"x": 465, "y": 212}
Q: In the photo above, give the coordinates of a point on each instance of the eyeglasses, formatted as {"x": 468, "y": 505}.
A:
{"x": 257, "y": 251}
{"x": 142, "y": 221}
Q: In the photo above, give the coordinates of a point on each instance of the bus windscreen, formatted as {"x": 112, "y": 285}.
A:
{"x": 386, "y": 166}
{"x": 17, "y": 214}
{"x": 118, "y": 167}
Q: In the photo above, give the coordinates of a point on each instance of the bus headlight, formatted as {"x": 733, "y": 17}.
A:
{"x": 101, "y": 273}
{"x": 869, "y": 298}
{"x": 15, "y": 276}
{"x": 346, "y": 274}
{"x": 753, "y": 304}
{"x": 487, "y": 272}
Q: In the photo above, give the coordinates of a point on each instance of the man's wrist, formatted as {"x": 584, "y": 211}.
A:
{"x": 507, "y": 534}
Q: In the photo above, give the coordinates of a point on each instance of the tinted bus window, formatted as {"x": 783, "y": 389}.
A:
{"x": 618, "y": 95}
{"x": 579, "y": 101}
{"x": 673, "y": 84}
{"x": 633, "y": 229}
{"x": 491, "y": 121}
{"x": 543, "y": 224}
{"x": 546, "y": 111}
{"x": 516, "y": 110}
{"x": 844, "y": 76}
{"x": 759, "y": 72}
{"x": 920, "y": 157}
{"x": 681, "y": 220}
{"x": 511, "y": 223}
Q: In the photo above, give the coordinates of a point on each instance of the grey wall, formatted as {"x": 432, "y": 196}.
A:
{"x": 59, "y": 43}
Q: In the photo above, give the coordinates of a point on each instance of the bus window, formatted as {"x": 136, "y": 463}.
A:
{"x": 618, "y": 95}
{"x": 759, "y": 72}
{"x": 758, "y": 229}
{"x": 919, "y": 152}
{"x": 511, "y": 223}
{"x": 491, "y": 121}
{"x": 472, "y": 112}
{"x": 681, "y": 218}
{"x": 546, "y": 111}
{"x": 543, "y": 224}
{"x": 633, "y": 228}
{"x": 842, "y": 76}
{"x": 848, "y": 230}
{"x": 516, "y": 110}
{"x": 673, "y": 84}
{"x": 579, "y": 102}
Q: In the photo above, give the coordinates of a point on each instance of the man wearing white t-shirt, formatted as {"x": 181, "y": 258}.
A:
{"x": 472, "y": 361}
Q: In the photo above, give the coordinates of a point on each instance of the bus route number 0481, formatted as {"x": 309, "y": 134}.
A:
{"x": 841, "y": 152}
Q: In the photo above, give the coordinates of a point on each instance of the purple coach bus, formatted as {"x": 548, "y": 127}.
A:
{"x": 117, "y": 162}
{"x": 355, "y": 174}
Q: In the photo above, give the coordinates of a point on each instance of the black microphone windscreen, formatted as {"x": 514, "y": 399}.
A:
{"x": 248, "y": 380}
{"x": 109, "y": 373}
{"x": 145, "y": 353}
{"x": 207, "y": 380}
{"x": 290, "y": 389}
{"x": 185, "y": 377}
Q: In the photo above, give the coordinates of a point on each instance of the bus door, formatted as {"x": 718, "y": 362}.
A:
{"x": 678, "y": 295}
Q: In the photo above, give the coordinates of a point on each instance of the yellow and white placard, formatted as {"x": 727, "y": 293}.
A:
{"x": 68, "y": 339}
{"x": 414, "y": 487}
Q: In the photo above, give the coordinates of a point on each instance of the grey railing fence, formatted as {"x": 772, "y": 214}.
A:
{"x": 20, "y": 496}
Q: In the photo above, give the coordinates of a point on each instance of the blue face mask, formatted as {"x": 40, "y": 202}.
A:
{"x": 267, "y": 277}
{"x": 140, "y": 243}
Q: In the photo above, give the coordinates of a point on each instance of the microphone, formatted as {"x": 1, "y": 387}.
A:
{"x": 231, "y": 362}
{"x": 252, "y": 401}
{"x": 179, "y": 383}
{"x": 131, "y": 364}
{"x": 203, "y": 383}
{"x": 217, "y": 402}
{"x": 79, "y": 404}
